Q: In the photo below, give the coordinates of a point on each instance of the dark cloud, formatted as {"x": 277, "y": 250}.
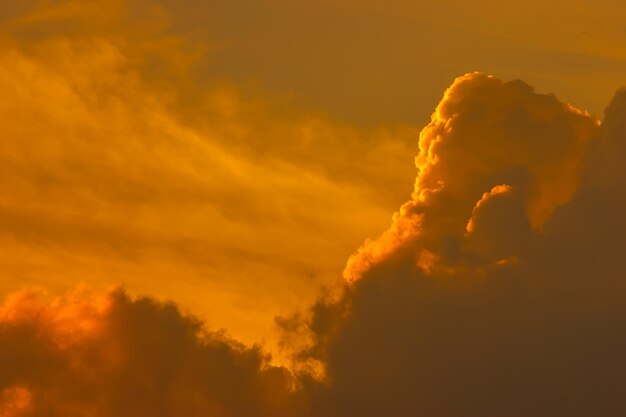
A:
{"x": 116, "y": 356}
{"x": 541, "y": 333}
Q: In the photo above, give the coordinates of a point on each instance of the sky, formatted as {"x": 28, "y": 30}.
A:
{"x": 312, "y": 208}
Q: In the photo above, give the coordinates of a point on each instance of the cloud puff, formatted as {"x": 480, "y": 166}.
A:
{"x": 110, "y": 355}
{"x": 483, "y": 134}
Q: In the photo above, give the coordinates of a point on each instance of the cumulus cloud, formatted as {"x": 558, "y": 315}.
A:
{"x": 112, "y": 355}
{"x": 517, "y": 308}
{"x": 485, "y": 134}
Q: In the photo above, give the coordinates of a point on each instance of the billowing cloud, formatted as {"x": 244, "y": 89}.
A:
{"x": 485, "y": 137}
{"x": 499, "y": 288}
{"x": 110, "y": 355}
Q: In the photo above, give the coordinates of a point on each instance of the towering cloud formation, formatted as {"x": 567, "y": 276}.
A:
{"x": 499, "y": 288}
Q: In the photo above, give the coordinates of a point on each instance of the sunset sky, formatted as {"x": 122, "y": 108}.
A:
{"x": 323, "y": 208}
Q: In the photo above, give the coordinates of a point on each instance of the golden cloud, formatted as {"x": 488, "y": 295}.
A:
{"x": 485, "y": 133}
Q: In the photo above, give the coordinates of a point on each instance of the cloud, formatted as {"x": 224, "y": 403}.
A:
{"x": 519, "y": 314}
{"x": 112, "y": 355}
{"x": 485, "y": 134}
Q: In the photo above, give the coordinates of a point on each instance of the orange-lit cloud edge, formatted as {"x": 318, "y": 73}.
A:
{"x": 497, "y": 290}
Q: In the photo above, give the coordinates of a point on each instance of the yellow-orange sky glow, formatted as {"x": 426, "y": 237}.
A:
{"x": 312, "y": 208}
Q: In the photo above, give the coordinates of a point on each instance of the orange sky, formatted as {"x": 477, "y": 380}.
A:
{"x": 210, "y": 152}
{"x": 233, "y": 157}
{"x": 120, "y": 167}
